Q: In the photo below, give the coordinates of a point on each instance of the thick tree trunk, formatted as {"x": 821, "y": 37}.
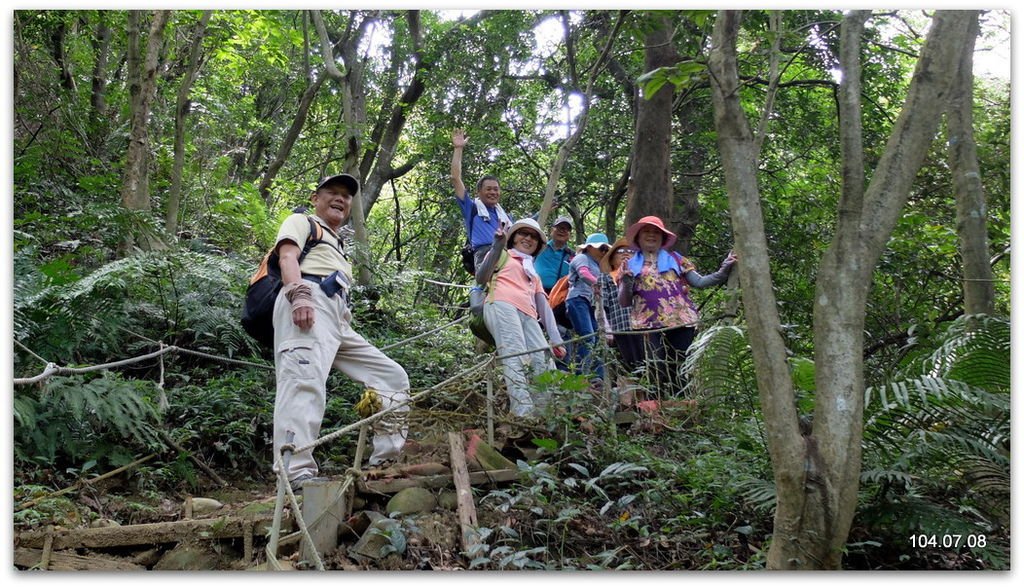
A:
{"x": 652, "y": 161}
{"x": 971, "y": 210}
{"x": 739, "y": 158}
{"x": 135, "y": 187}
{"x": 817, "y": 473}
{"x": 180, "y": 112}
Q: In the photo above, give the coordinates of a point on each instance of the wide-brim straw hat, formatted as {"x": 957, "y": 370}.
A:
{"x": 526, "y": 223}
{"x": 653, "y": 221}
{"x": 606, "y": 261}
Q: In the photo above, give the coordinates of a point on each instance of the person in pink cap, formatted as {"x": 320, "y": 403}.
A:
{"x": 655, "y": 285}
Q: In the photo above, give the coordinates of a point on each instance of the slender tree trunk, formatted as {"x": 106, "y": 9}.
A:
{"x": 971, "y": 210}
{"x": 180, "y": 112}
{"x": 652, "y": 161}
{"x": 289, "y": 139}
{"x": 353, "y": 104}
{"x": 378, "y": 161}
{"x": 135, "y": 188}
{"x": 686, "y": 208}
{"x": 817, "y": 470}
{"x": 565, "y": 149}
{"x": 736, "y": 144}
{"x": 67, "y": 80}
{"x": 98, "y": 97}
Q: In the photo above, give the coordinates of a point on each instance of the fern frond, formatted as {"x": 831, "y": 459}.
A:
{"x": 759, "y": 494}
{"x": 720, "y": 364}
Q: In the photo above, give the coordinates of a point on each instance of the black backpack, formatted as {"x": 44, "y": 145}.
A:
{"x": 467, "y": 253}
{"x": 265, "y": 284}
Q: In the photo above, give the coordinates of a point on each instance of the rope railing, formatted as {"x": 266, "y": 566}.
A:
{"x": 52, "y": 369}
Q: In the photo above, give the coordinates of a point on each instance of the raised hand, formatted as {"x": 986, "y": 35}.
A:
{"x": 459, "y": 138}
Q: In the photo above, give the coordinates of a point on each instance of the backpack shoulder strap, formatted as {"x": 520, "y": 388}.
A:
{"x": 316, "y": 236}
{"x": 469, "y": 223}
{"x": 502, "y": 260}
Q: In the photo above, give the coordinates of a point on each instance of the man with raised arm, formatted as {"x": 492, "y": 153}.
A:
{"x": 482, "y": 215}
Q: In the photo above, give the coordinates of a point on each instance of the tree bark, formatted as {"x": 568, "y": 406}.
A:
{"x": 971, "y": 209}
{"x": 98, "y": 96}
{"x": 817, "y": 474}
{"x": 289, "y": 140}
{"x": 739, "y": 158}
{"x": 353, "y": 103}
{"x": 180, "y": 112}
{"x": 652, "y": 161}
{"x": 378, "y": 162}
{"x": 135, "y": 187}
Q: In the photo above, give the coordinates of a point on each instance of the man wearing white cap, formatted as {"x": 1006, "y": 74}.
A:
{"x": 553, "y": 261}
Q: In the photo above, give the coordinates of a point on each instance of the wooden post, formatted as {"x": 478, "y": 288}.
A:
{"x": 323, "y": 503}
{"x": 282, "y": 480}
{"x": 44, "y": 560}
{"x": 490, "y": 402}
{"x": 463, "y": 493}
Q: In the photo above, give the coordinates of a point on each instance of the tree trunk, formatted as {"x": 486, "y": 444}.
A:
{"x": 180, "y": 112}
{"x": 289, "y": 140}
{"x": 971, "y": 210}
{"x": 135, "y": 189}
{"x": 353, "y": 104}
{"x": 565, "y": 149}
{"x": 652, "y": 161}
{"x": 739, "y": 158}
{"x": 378, "y": 161}
{"x": 98, "y": 96}
{"x": 67, "y": 80}
{"x": 686, "y": 208}
{"x": 817, "y": 474}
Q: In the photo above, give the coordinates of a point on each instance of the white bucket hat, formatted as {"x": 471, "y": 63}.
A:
{"x": 530, "y": 224}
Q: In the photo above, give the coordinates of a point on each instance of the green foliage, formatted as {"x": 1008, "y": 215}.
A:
{"x": 179, "y": 297}
{"x": 938, "y": 439}
{"x": 937, "y": 435}
{"x": 76, "y": 419}
{"x": 226, "y": 419}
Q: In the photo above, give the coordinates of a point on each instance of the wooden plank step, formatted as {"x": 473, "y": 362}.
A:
{"x": 146, "y": 534}
{"x": 72, "y": 562}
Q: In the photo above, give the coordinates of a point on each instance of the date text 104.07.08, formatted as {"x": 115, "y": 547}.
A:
{"x": 952, "y": 541}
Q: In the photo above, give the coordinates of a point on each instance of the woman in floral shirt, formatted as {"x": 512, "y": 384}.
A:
{"x": 655, "y": 284}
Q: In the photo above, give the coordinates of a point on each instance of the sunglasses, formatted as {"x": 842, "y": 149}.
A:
{"x": 624, "y": 251}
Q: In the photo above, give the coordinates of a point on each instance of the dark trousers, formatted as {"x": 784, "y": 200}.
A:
{"x": 664, "y": 353}
{"x": 631, "y": 350}
{"x": 581, "y": 314}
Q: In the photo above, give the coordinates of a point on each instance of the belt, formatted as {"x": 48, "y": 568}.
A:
{"x": 329, "y": 284}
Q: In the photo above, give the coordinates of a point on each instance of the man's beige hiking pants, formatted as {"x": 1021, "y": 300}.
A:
{"x": 303, "y": 359}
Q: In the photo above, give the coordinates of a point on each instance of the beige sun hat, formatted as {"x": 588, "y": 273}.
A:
{"x": 530, "y": 225}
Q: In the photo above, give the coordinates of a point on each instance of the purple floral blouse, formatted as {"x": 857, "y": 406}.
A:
{"x": 662, "y": 300}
